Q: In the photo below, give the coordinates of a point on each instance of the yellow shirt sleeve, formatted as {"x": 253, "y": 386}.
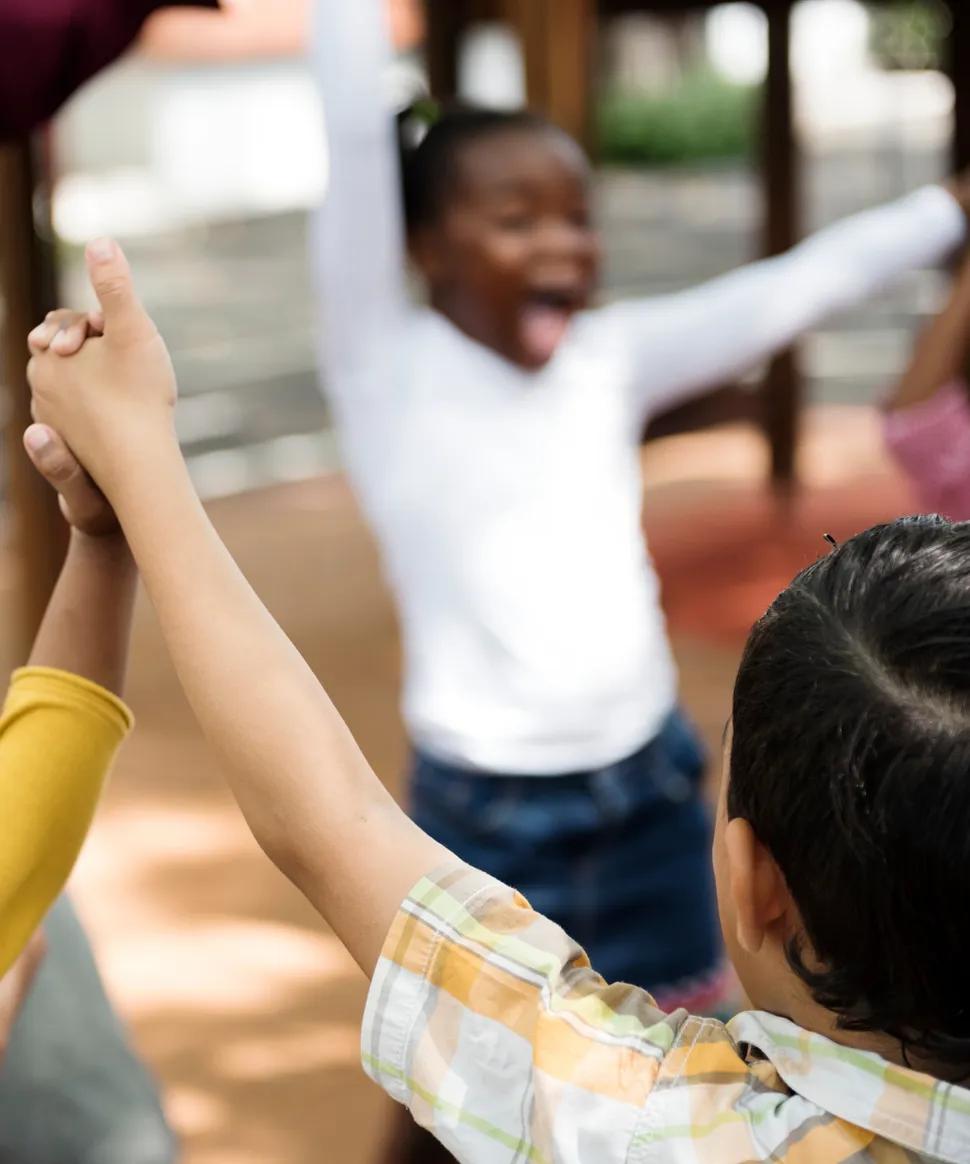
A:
{"x": 59, "y": 734}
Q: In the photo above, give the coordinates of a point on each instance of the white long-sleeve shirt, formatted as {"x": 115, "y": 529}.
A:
{"x": 507, "y": 502}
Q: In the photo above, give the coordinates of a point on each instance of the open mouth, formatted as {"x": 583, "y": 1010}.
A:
{"x": 546, "y": 315}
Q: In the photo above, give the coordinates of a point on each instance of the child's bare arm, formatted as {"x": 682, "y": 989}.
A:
{"x": 59, "y": 735}
{"x": 942, "y": 351}
{"x": 87, "y": 625}
{"x": 308, "y": 793}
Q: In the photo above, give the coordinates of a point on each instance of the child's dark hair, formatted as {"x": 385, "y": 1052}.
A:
{"x": 851, "y": 761}
{"x": 430, "y": 139}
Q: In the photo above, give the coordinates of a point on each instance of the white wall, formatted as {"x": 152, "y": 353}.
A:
{"x": 145, "y": 146}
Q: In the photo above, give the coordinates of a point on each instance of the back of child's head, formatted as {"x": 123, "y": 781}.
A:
{"x": 431, "y": 139}
{"x": 851, "y": 762}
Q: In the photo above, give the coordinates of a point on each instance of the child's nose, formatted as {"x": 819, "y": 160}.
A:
{"x": 565, "y": 239}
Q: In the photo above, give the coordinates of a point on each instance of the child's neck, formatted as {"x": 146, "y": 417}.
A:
{"x": 806, "y": 1013}
{"x": 475, "y": 326}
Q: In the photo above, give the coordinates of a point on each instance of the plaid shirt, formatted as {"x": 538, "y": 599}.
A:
{"x": 488, "y": 1023}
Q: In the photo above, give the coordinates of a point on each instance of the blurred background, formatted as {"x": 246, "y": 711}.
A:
{"x": 203, "y": 151}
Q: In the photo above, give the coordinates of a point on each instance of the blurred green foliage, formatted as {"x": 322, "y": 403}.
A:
{"x": 703, "y": 118}
{"x": 707, "y": 118}
{"x": 909, "y": 34}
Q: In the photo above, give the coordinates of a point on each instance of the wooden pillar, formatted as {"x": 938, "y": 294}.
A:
{"x": 27, "y": 292}
{"x": 571, "y": 46}
{"x": 782, "y": 387}
{"x": 529, "y": 19}
{"x": 558, "y": 39}
{"x": 958, "y": 52}
{"x": 446, "y": 21}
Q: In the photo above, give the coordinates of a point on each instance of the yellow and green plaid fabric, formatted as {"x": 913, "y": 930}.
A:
{"x": 488, "y": 1023}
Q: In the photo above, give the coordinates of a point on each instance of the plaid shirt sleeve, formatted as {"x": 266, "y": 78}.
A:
{"x": 488, "y": 1023}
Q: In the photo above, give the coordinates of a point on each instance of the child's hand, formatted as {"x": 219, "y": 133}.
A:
{"x": 83, "y": 504}
{"x": 81, "y": 501}
{"x": 114, "y": 395}
{"x": 64, "y": 331}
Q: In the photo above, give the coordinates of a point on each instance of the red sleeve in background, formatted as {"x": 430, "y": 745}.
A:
{"x": 49, "y": 48}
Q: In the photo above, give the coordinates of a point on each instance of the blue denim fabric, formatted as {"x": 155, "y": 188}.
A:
{"x": 619, "y": 856}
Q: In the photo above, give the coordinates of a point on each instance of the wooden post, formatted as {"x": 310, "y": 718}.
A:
{"x": 529, "y": 18}
{"x": 27, "y": 292}
{"x": 445, "y": 25}
{"x": 958, "y": 52}
{"x": 782, "y": 388}
{"x": 557, "y": 42}
{"x": 571, "y": 35}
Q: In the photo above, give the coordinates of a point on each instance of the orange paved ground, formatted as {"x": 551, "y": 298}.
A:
{"x": 238, "y": 996}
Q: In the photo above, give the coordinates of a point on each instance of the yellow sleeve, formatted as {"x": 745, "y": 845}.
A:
{"x": 58, "y": 737}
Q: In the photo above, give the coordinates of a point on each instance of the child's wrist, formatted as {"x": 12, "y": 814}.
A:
{"x": 134, "y": 456}
{"x": 108, "y": 549}
{"x": 142, "y": 480}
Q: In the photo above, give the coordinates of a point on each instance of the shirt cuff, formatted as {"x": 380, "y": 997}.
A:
{"x": 50, "y": 685}
{"x": 945, "y": 218}
{"x": 401, "y": 989}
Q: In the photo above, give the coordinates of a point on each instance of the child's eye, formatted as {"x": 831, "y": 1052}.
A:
{"x": 513, "y": 220}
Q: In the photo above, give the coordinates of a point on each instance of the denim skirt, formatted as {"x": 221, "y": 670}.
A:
{"x": 619, "y": 856}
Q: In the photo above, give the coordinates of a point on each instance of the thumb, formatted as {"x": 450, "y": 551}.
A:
{"x": 124, "y": 317}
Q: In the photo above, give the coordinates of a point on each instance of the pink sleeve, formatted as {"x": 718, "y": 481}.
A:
{"x": 931, "y": 441}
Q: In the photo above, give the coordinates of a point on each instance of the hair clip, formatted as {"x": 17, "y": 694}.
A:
{"x": 417, "y": 120}
{"x": 831, "y": 541}
{"x": 426, "y": 110}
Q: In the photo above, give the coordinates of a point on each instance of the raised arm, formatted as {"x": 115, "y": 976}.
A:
{"x": 309, "y": 795}
{"x": 61, "y": 724}
{"x": 683, "y": 343}
{"x": 942, "y": 351}
{"x": 359, "y": 254}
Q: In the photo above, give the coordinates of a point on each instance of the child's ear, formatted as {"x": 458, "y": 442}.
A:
{"x": 757, "y": 886}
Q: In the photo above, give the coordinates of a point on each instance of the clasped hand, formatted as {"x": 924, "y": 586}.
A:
{"x": 103, "y": 381}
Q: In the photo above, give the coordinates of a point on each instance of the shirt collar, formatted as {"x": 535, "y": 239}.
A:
{"x": 906, "y": 1107}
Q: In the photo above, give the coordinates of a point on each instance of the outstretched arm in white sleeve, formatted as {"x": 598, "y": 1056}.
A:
{"x": 683, "y": 343}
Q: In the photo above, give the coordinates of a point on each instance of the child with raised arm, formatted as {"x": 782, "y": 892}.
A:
{"x": 72, "y": 1087}
{"x": 840, "y": 854}
{"x": 493, "y": 438}
{"x": 927, "y": 421}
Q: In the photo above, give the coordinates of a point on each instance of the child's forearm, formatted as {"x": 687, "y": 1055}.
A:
{"x": 309, "y": 795}
{"x": 942, "y": 351}
{"x": 87, "y": 626}
{"x": 306, "y": 790}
